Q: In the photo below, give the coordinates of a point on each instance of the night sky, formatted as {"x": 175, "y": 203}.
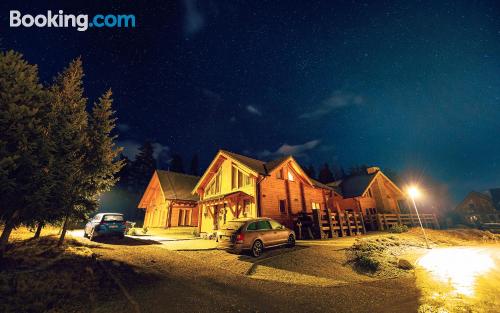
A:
{"x": 414, "y": 88}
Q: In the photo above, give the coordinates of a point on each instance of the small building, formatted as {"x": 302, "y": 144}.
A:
{"x": 168, "y": 200}
{"x": 369, "y": 193}
{"x": 480, "y": 207}
{"x": 236, "y": 186}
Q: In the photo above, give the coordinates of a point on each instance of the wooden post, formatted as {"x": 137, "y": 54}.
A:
{"x": 371, "y": 219}
{"x": 328, "y": 215}
{"x": 355, "y": 222}
{"x": 348, "y": 221}
{"x": 399, "y": 219}
{"x": 363, "y": 227}
{"x": 340, "y": 222}
{"x": 385, "y": 221}
{"x": 436, "y": 221}
{"x": 379, "y": 222}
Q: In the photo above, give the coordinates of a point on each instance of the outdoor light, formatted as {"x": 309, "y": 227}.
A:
{"x": 414, "y": 192}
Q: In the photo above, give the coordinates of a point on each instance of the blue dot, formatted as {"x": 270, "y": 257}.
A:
{"x": 90, "y": 24}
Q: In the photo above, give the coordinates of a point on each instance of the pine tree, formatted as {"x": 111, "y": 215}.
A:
{"x": 310, "y": 171}
{"x": 69, "y": 134}
{"x": 325, "y": 174}
{"x": 143, "y": 167}
{"x": 195, "y": 165}
{"x": 102, "y": 155}
{"x": 176, "y": 164}
{"x": 22, "y": 184}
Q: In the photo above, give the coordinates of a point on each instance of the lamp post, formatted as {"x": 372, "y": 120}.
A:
{"x": 414, "y": 192}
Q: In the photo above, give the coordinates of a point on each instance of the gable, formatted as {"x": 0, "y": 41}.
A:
{"x": 358, "y": 185}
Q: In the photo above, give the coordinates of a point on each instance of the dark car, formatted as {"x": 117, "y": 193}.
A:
{"x": 254, "y": 235}
{"x": 105, "y": 224}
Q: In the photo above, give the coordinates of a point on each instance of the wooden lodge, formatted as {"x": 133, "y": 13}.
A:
{"x": 168, "y": 200}
{"x": 480, "y": 207}
{"x": 236, "y": 186}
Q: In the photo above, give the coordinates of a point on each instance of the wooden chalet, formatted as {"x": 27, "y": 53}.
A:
{"x": 369, "y": 193}
{"x": 480, "y": 207}
{"x": 236, "y": 186}
{"x": 168, "y": 200}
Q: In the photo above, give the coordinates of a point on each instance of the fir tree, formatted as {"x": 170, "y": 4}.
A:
{"x": 325, "y": 174}
{"x": 69, "y": 134}
{"x": 310, "y": 171}
{"x": 143, "y": 167}
{"x": 195, "y": 165}
{"x": 102, "y": 157}
{"x": 176, "y": 164}
{"x": 23, "y": 185}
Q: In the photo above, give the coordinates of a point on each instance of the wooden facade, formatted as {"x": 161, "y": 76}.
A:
{"x": 237, "y": 186}
{"x": 168, "y": 201}
{"x": 370, "y": 193}
{"x": 478, "y": 207}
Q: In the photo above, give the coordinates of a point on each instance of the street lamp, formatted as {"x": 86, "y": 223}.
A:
{"x": 414, "y": 193}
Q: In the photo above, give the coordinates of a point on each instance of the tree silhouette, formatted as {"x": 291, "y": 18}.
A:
{"x": 325, "y": 174}
{"x": 176, "y": 164}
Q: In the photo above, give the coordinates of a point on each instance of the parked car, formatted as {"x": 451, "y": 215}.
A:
{"x": 491, "y": 227}
{"x": 254, "y": 235}
{"x": 105, "y": 224}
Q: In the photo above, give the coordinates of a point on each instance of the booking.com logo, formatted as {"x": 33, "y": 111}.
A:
{"x": 81, "y": 22}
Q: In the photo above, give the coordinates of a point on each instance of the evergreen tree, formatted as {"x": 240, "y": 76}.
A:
{"x": 142, "y": 168}
{"x": 102, "y": 157}
{"x": 338, "y": 172}
{"x": 325, "y": 174}
{"x": 195, "y": 166}
{"x": 176, "y": 164}
{"x": 70, "y": 137}
{"x": 310, "y": 171}
{"x": 24, "y": 184}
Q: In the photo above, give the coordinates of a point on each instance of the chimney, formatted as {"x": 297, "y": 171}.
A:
{"x": 372, "y": 170}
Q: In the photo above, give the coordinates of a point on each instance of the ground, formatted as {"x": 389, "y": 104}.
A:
{"x": 158, "y": 273}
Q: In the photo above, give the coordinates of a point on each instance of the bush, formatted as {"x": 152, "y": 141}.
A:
{"x": 196, "y": 233}
{"x": 367, "y": 263}
{"x": 132, "y": 232}
{"x": 398, "y": 229}
{"x": 145, "y": 230}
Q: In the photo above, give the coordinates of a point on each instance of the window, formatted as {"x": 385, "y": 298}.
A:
{"x": 246, "y": 206}
{"x": 252, "y": 226}
{"x": 283, "y": 206}
{"x": 275, "y": 225}
{"x": 279, "y": 174}
{"x": 113, "y": 218}
{"x": 315, "y": 206}
{"x": 263, "y": 225}
{"x": 234, "y": 174}
{"x": 290, "y": 176}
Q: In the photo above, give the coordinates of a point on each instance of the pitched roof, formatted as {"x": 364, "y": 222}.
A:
{"x": 355, "y": 186}
{"x": 177, "y": 186}
{"x": 321, "y": 185}
{"x": 261, "y": 167}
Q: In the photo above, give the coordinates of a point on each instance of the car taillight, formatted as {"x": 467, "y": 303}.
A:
{"x": 239, "y": 238}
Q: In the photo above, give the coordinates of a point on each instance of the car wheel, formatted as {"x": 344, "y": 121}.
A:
{"x": 257, "y": 248}
{"x": 291, "y": 241}
{"x": 121, "y": 236}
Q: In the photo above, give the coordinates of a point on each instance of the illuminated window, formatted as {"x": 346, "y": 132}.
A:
{"x": 315, "y": 206}
{"x": 290, "y": 176}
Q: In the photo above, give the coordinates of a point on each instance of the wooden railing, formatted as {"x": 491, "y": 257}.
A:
{"x": 386, "y": 221}
{"x": 343, "y": 224}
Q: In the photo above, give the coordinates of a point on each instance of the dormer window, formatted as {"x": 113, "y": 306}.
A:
{"x": 290, "y": 176}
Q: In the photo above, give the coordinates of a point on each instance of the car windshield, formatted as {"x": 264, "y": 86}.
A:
{"x": 233, "y": 225}
{"x": 113, "y": 218}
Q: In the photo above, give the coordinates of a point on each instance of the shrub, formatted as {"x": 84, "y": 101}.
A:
{"x": 145, "y": 230}
{"x": 367, "y": 263}
{"x": 196, "y": 233}
{"x": 398, "y": 229}
{"x": 132, "y": 232}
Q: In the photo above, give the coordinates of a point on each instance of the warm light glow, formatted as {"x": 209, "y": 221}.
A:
{"x": 414, "y": 192}
{"x": 458, "y": 267}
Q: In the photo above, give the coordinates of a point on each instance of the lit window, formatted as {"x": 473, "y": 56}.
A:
{"x": 315, "y": 206}
{"x": 290, "y": 176}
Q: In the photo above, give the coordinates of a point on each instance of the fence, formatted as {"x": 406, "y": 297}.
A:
{"x": 342, "y": 224}
{"x": 386, "y": 221}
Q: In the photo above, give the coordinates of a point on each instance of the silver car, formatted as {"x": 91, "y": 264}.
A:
{"x": 254, "y": 235}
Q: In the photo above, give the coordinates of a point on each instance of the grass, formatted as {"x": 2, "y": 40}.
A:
{"x": 39, "y": 276}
